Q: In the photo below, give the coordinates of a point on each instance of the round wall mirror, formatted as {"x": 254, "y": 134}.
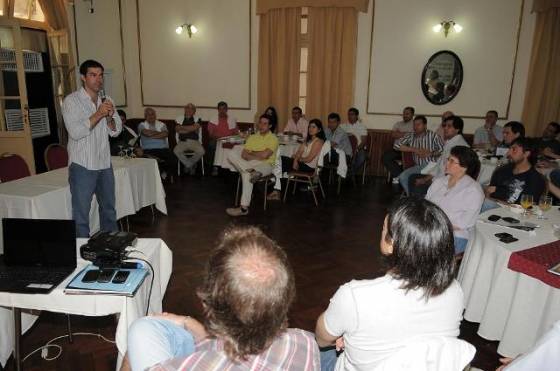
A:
{"x": 442, "y": 77}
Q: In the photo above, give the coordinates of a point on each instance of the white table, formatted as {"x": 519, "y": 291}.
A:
{"x": 128, "y": 309}
{"x": 47, "y": 195}
{"x": 511, "y": 307}
{"x": 486, "y": 170}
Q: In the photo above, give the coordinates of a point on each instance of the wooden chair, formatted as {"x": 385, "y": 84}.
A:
{"x": 265, "y": 179}
{"x": 12, "y": 167}
{"x": 56, "y": 156}
{"x": 306, "y": 178}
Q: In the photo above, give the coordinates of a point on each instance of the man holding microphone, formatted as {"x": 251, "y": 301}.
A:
{"x": 90, "y": 118}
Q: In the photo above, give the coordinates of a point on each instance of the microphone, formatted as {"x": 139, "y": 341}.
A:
{"x": 102, "y": 95}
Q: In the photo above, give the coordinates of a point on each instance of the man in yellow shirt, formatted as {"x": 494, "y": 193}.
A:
{"x": 255, "y": 160}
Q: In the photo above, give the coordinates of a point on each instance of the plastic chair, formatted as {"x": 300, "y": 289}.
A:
{"x": 12, "y": 167}
{"x": 56, "y": 156}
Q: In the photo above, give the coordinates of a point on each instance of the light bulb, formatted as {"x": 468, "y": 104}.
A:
{"x": 437, "y": 27}
{"x": 179, "y": 30}
{"x": 194, "y": 29}
{"x": 457, "y": 27}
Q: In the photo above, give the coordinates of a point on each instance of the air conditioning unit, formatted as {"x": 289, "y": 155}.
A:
{"x": 38, "y": 119}
{"x": 32, "y": 61}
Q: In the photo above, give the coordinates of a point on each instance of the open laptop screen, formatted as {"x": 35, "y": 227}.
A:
{"x": 39, "y": 242}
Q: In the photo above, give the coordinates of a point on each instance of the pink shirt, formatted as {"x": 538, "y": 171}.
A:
{"x": 299, "y": 127}
{"x": 222, "y": 129}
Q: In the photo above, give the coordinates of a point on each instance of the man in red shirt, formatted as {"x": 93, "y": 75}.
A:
{"x": 221, "y": 125}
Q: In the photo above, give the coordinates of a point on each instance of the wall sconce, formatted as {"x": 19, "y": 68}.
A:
{"x": 186, "y": 26}
{"x": 446, "y": 27}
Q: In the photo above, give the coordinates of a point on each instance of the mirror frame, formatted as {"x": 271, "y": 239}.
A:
{"x": 425, "y": 70}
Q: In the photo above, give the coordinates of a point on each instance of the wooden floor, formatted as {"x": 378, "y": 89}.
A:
{"x": 327, "y": 246}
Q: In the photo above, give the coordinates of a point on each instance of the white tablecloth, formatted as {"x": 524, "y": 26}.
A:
{"x": 47, "y": 195}
{"x": 128, "y": 309}
{"x": 486, "y": 170}
{"x": 511, "y": 307}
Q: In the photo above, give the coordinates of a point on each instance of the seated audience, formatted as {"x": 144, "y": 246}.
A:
{"x": 297, "y": 125}
{"x": 518, "y": 177}
{"x": 458, "y": 193}
{"x": 356, "y": 128}
{"x": 256, "y": 159}
{"x": 271, "y": 112}
{"x": 126, "y": 141}
{"x": 444, "y": 117}
{"x": 544, "y": 356}
{"x": 219, "y": 126}
{"x": 371, "y": 320}
{"x": 512, "y": 130}
{"x": 306, "y": 157}
{"x": 548, "y": 144}
{"x": 490, "y": 134}
{"x": 425, "y": 146}
{"x": 153, "y": 138}
{"x": 188, "y": 128}
{"x": 392, "y": 157}
{"x": 246, "y": 295}
{"x": 338, "y": 138}
{"x": 453, "y": 136}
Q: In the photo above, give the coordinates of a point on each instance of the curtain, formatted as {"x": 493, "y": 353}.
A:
{"x": 542, "y": 94}
{"x": 332, "y": 61}
{"x": 279, "y": 57}
{"x": 55, "y": 13}
{"x": 264, "y": 6}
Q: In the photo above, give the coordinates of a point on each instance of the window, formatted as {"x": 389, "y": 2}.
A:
{"x": 303, "y": 59}
{"x": 28, "y": 9}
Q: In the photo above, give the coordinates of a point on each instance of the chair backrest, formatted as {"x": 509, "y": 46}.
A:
{"x": 12, "y": 167}
{"x": 56, "y": 156}
{"x": 407, "y": 160}
{"x": 353, "y": 143}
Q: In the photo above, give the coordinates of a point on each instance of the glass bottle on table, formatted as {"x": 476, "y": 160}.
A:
{"x": 526, "y": 202}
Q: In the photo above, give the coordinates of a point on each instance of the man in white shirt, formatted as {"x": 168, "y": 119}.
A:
{"x": 154, "y": 141}
{"x": 356, "y": 128}
{"x": 391, "y": 157}
{"x": 418, "y": 184}
{"x": 490, "y": 134}
{"x": 90, "y": 119}
{"x": 297, "y": 125}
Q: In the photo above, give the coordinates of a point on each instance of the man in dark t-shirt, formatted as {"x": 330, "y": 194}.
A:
{"x": 548, "y": 145}
{"x": 188, "y": 131}
{"x": 518, "y": 177}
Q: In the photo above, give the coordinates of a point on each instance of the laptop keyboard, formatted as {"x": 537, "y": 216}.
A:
{"x": 42, "y": 276}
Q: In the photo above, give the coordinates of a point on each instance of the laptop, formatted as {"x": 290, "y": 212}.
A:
{"x": 38, "y": 254}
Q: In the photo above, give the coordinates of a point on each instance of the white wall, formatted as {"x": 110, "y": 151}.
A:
{"x": 403, "y": 41}
{"x": 486, "y": 47}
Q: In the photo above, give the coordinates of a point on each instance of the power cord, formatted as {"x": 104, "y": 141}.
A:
{"x": 153, "y": 274}
{"x": 45, "y": 348}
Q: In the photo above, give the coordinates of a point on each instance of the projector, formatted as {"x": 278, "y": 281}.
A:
{"x": 108, "y": 248}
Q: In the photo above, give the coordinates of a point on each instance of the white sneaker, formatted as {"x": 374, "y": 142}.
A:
{"x": 395, "y": 181}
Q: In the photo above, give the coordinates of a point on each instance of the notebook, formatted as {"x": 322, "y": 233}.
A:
{"x": 38, "y": 254}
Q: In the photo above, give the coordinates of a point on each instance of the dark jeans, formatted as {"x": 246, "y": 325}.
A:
{"x": 288, "y": 162}
{"x": 417, "y": 190}
{"x": 390, "y": 159}
{"x": 168, "y": 158}
{"x": 84, "y": 184}
{"x": 359, "y": 159}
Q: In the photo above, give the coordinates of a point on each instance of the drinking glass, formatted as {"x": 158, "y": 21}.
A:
{"x": 545, "y": 203}
{"x": 526, "y": 202}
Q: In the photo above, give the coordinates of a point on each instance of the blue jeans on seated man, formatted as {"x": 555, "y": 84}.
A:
{"x": 403, "y": 177}
{"x": 84, "y": 184}
{"x": 488, "y": 204}
{"x": 154, "y": 340}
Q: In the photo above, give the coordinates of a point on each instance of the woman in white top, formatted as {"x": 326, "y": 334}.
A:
{"x": 306, "y": 157}
{"x": 417, "y": 299}
{"x": 459, "y": 194}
